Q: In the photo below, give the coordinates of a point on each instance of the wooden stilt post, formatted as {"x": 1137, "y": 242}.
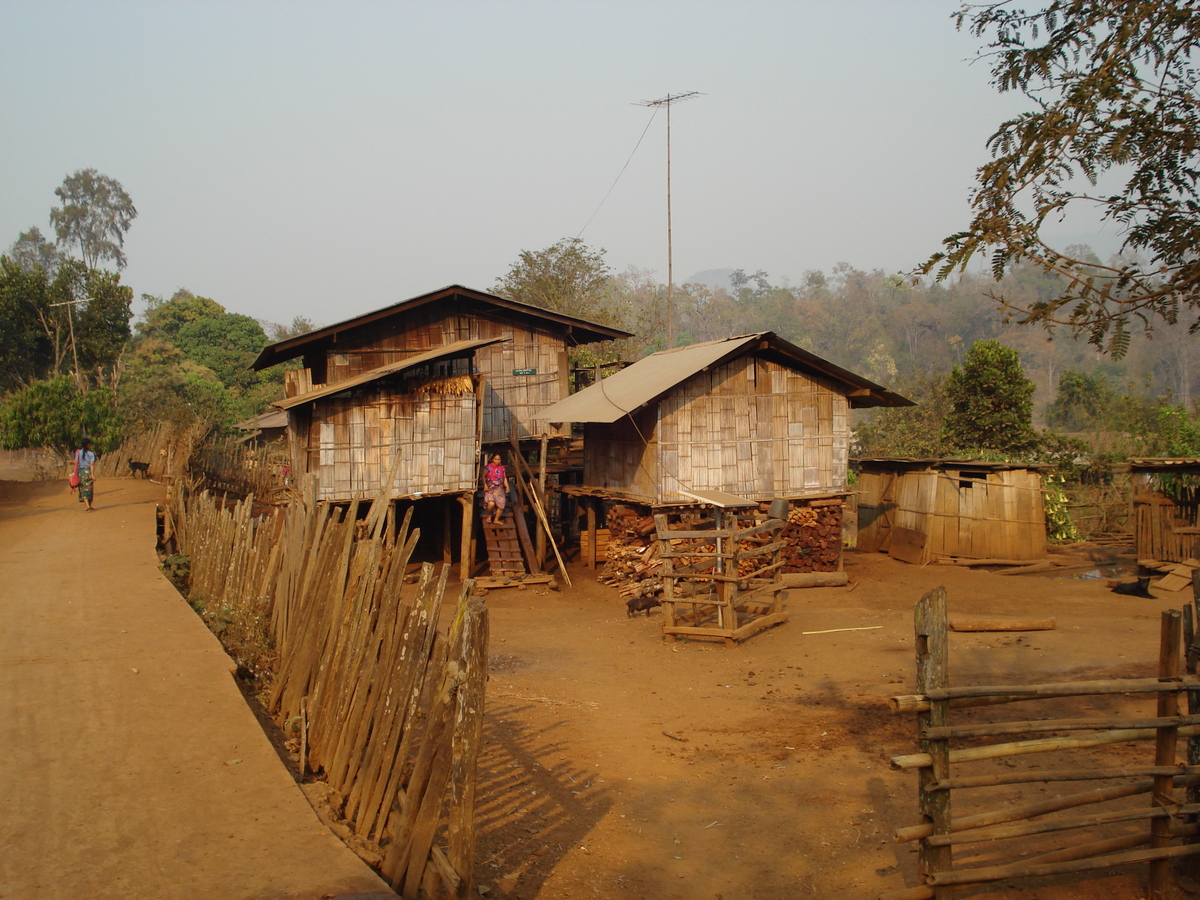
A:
{"x": 466, "y": 552}
{"x": 931, "y": 646}
{"x": 1170, "y": 665}
{"x": 592, "y": 502}
{"x": 541, "y": 495}
{"x": 447, "y": 531}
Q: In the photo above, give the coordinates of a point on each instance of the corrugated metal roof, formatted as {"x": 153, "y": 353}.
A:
{"x": 272, "y": 418}
{"x": 578, "y": 331}
{"x": 445, "y": 350}
{"x": 637, "y": 385}
{"x": 886, "y": 462}
{"x": 1164, "y": 462}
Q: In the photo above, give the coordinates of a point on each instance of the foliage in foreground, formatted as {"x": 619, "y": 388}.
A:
{"x": 56, "y": 413}
{"x": 1113, "y": 89}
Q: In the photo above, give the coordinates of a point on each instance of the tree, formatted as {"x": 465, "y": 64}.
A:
{"x": 165, "y": 319}
{"x": 300, "y": 325}
{"x": 31, "y": 250}
{"x": 227, "y": 344}
{"x": 25, "y": 349}
{"x": 568, "y": 277}
{"x": 95, "y": 215}
{"x": 56, "y": 413}
{"x": 991, "y": 401}
{"x": 914, "y": 431}
{"x": 1083, "y": 401}
{"x": 1115, "y": 93}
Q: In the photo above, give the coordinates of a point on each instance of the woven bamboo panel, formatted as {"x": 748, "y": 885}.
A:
{"x": 360, "y": 437}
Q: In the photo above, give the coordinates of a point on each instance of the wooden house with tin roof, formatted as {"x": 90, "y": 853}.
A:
{"x": 754, "y": 417}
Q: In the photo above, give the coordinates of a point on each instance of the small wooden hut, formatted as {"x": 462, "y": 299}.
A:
{"x": 1166, "y": 508}
{"x": 754, "y": 416}
{"x": 918, "y": 510}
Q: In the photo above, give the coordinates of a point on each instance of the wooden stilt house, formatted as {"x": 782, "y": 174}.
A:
{"x": 413, "y": 391}
{"x": 705, "y": 437}
{"x": 920, "y": 510}
{"x": 754, "y": 416}
{"x": 1166, "y": 508}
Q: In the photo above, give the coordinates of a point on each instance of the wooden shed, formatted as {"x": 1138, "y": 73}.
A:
{"x": 1166, "y": 508}
{"x": 919, "y": 510}
{"x": 753, "y": 416}
{"x": 520, "y": 354}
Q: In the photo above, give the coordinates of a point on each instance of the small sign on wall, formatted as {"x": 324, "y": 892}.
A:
{"x": 524, "y": 371}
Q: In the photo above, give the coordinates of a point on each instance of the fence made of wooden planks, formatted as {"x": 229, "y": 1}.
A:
{"x": 1111, "y": 837}
{"x": 388, "y": 709}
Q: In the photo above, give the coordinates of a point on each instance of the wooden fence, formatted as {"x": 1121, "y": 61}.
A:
{"x": 1113, "y": 834}
{"x": 388, "y": 709}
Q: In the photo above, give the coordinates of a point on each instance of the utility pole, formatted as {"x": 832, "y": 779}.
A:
{"x": 667, "y": 101}
{"x": 70, "y": 305}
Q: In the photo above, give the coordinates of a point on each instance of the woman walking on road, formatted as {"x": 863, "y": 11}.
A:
{"x": 84, "y": 462}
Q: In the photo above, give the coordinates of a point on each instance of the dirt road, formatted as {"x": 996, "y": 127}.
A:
{"x": 134, "y": 768}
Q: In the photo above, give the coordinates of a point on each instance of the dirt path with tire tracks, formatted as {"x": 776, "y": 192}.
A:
{"x": 133, "y": 768}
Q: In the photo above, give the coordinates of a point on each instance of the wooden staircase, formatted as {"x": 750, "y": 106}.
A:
{"x": 504, "y": 548}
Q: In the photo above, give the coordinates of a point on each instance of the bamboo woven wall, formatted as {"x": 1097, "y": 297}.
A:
{"x": 509, "y": 396}
{"x": 993, "y": 514}
{"x": 1166, "y": 529}
{"x": 751, "y": 427}
{"x": 353, "y": 441}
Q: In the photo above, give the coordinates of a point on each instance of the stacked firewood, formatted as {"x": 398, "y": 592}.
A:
{"x": 813, "y": 537}
{"x": 632, "y": 553}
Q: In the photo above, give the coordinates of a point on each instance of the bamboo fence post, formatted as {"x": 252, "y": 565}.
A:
{"x": 1169, "y": 666}
{"x": 931, "y": 648}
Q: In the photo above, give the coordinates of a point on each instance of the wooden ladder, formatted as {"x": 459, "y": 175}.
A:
{"x": 504, "y": 547}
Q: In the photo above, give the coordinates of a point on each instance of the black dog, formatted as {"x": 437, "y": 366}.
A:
{"x": 637, "y": 604}
{"x": 1139, "y": 588}
{"x": 143, "y": 467}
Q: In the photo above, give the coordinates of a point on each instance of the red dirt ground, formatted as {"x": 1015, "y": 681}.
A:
{"x": 777, "y": 785}
{"x": 618, "y": 766}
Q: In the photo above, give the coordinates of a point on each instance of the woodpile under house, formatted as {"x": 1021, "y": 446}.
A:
{"x": 924, "y": 510}
{"x": 414, "y": 392}
{"x": 752, "y": 417}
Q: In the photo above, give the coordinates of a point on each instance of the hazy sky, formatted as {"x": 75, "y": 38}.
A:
{"x": 325, "y": 159}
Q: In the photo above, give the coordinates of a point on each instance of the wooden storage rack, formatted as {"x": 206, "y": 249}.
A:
{"x": 714, "y": 600}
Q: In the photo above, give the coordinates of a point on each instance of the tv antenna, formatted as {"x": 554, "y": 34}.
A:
{"x": 668, "y": 101}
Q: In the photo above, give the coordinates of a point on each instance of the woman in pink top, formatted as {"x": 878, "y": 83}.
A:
{"x": 495, "y": 489}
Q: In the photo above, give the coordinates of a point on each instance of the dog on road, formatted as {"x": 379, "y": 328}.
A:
{"x": 143, "y": 467}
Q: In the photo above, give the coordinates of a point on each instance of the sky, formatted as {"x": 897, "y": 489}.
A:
{"x": 325, "y": 159}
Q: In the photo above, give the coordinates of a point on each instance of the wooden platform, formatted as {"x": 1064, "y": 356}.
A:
{"x": 486, "y": 583}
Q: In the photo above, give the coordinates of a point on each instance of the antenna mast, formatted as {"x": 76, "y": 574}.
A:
{"x": 667, "y": 101}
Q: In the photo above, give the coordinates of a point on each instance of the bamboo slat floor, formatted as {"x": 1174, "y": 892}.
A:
{"x": 135, "y": 769}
